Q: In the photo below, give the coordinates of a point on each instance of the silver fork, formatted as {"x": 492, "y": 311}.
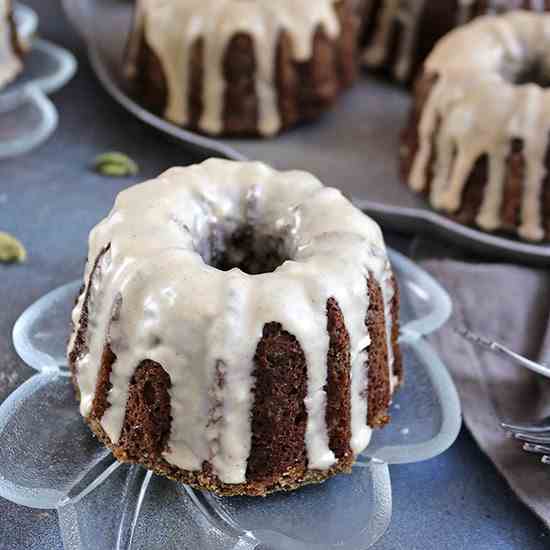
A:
{"x": 495, "y": 346}
{"x": 536, "y": 436}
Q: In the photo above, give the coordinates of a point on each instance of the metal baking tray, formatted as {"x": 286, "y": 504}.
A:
{"x": 354, "y": 147}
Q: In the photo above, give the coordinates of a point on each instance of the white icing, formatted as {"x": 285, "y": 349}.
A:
{"x": 171, "y": 27}
{"x": 475, "y": 109}
{"x": 10, "y": 64}
{"x": 154, "y": 297}
{"x": 407, "y": 15}
{"x": 393, "y": 12}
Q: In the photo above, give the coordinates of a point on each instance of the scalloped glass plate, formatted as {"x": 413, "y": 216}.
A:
{"x": 27, "y": 116}
{"x": 104, "y": 505}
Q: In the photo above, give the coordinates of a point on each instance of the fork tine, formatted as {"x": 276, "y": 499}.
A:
{"x": 529, "y": 438}
{"x": 525, "y": 429}
{"x": 537, "y": 449}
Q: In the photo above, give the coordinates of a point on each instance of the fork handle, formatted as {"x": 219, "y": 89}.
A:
{"x": 520, "y": 360}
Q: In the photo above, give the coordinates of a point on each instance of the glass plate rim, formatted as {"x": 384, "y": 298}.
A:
{"x": 26, "y": 20}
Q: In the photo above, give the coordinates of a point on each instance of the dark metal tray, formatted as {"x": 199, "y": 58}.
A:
{"x": 354, "y": 147}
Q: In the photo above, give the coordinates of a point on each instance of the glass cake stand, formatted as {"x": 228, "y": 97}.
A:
{"x": 27, "y": 116}
{"x": 50, "y": 459}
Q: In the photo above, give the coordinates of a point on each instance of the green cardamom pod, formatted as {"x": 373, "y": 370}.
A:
{"x": 11, "y": 250}
{"x": 115, "y": 165}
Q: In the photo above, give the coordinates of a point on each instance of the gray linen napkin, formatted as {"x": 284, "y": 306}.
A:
{"x": 511, "y": 305}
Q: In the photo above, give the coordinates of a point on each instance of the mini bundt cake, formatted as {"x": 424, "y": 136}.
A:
{"x": 477, "y": 142}
{"x": 237, "y": 329}
{"x": 398, "y": 35}
{"x": 228, "y": 67}
{"x": 10, "y": 50}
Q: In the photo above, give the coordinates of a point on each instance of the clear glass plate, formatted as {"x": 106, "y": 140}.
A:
{"x": 49, "y": 458}
{"x": 27, "y": 116}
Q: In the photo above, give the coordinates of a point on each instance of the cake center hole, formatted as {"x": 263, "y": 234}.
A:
{"x": 534, "y": 73}
{"x": 246, "y": 249}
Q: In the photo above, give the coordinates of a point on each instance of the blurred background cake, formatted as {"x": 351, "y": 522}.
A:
{"x": 10, "y": 49}
{"x": 228, "y": 67}
{"x": 477, "y": 143}
{"x": 398, "y": 35}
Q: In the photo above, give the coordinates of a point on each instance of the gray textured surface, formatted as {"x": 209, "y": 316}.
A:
{"x": 50, "y": 199}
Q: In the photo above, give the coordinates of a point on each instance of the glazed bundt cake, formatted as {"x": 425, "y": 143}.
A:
{"x": 228, "y": 67}
{"x": 10, "y": 50}
{"x": 398, "y": 35}
{"x": 237, "y": 329}
{"x": 477, "y": 143}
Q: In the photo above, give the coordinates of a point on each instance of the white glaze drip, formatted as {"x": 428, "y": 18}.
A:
{"x": 407, "y": 14}
{"x": 395, "y": 12}
{"x": 475, "y": 109}
{"x": 171, "y": 27}
{"x": 203, "y": 325}
{"x": 10, "y": 64}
